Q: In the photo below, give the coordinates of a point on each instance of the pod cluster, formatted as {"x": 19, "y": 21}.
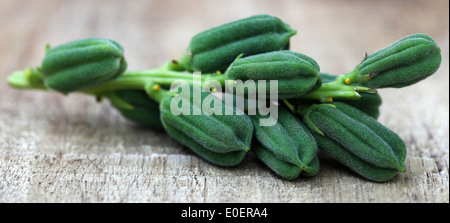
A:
{"x": 307, "y": 121}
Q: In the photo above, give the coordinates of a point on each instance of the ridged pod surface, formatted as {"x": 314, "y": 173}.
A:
{"x": 82, "y": 64}
{"x": 287, "y": 147}
{"x": 310, "y": 60}
{"x": 144, "y": 110}
{"x": 338, "y": 152}
{"x": 296, "y": 75}
{"x": 327, "y": 78}
{"x": 369, "y": 103}
{"x": 221, "y": 139}
{"x": 407, "y": 61}
{"x": 359, "y": 134}
{"x": 215, "y": 49}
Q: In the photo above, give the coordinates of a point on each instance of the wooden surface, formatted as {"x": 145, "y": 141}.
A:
{"x": 55, "y": 148}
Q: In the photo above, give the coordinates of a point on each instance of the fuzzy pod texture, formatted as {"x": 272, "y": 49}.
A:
{"x": 369, "y": 103}
{"x": 360, "y": 134}
{"x": 144, "y": 111}
{"x": 285, "y": 170}
{"x": 406, "y": 62}
{"x": 287, "y": 147}
{"x": 296, "y": 75}
{"x": 327, "y": 78}
{"x": 221, "y": 139}
{"x": 303, "y": 57}
{"x": 240, "y": 102}
{"x": 215, "y": 49}
{"x": 340, "y": 153}
{"x": 82, "y": 64}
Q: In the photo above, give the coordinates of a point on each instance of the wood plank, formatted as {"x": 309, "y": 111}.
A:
{"x": 56, "y": 148}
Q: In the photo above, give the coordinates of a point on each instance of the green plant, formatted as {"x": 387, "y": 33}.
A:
{"x": 317, "y": 111}
{"x": 136, "y": 106}
{"x": 81, "y": 64}
{"x": 358, "y": 133}
{"x": 368, "y": 103}
{"x": 349, "y": 159}
{"x": 407, "y": 61}
{"x": 297, "y": 74}
{"x": 214, "y": 49}
{"x": 221, "y": 139}
{"x": 286, "y": 147}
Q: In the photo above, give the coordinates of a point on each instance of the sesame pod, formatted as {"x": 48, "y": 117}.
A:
{"x": 344, "y": 156}
{"x": 368, "y": 103}
{"x": 221, "y": 139}
{"x": 284, "y": 169}
{"x": 296, "y": 75}
{"x": 82, "y": 64}
{"x": 141, "y": 109}
{"x": 313, "y": 168}
{"x": 327, "y": 78}
{"x": 303, "y": 57}
{"x": 359, "y": 133}
{"x": 391, "y": 138}
{"x": 215, "y": 49}
{"x": 239, "y": 102}
{"x": 232, "y": 158}
{"x": 286, "y": 147}
{"x": 406, "y": 62}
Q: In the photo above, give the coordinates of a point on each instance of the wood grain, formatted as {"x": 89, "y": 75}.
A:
{"x": 56, "y": 148}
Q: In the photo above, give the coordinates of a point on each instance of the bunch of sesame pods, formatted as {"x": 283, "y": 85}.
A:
{"x": 196, "y": 101}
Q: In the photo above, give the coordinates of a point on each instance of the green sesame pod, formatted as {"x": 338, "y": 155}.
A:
{"x": 215, "y": 49}
{"x": 296, "y": 76}
{"x": 303, "y": 57}
{"x": 391, "y": 138}
{"x": 222, "y": 159}
{"x": 221, "y": 139}
{"x": 82, "y": 64}
{"x": 344, "y": 156}
{"x": 406, "y": 62}
{"x": 313, "y": 168}
{"x": 369, "y": 103}
{"x": 360, "y": 134}
{"x": 288, "y": 143}
{"x": 284, "y": 169}
{"x": 327, "y": 78}
{"x": 142, "y": 109}
{"x": 240, "y": 102}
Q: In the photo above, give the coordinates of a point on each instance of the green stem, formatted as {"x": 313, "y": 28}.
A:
{"x": 340, "y": 88}
{"x": 138, "y": 79}
{"x": 305, "y": 111}
{"x": 352, "y": 76}
{"x": 325, "y": 96}
{"x": 132, "y": 80}
{"x": 301, "y": 109}
{"x": 155, "y": 92}
{"x": 117, "y": 101}
{"x": 289, "y": 105}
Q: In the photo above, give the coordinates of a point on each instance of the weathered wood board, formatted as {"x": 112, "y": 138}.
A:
{"x": 56, "y": 148}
